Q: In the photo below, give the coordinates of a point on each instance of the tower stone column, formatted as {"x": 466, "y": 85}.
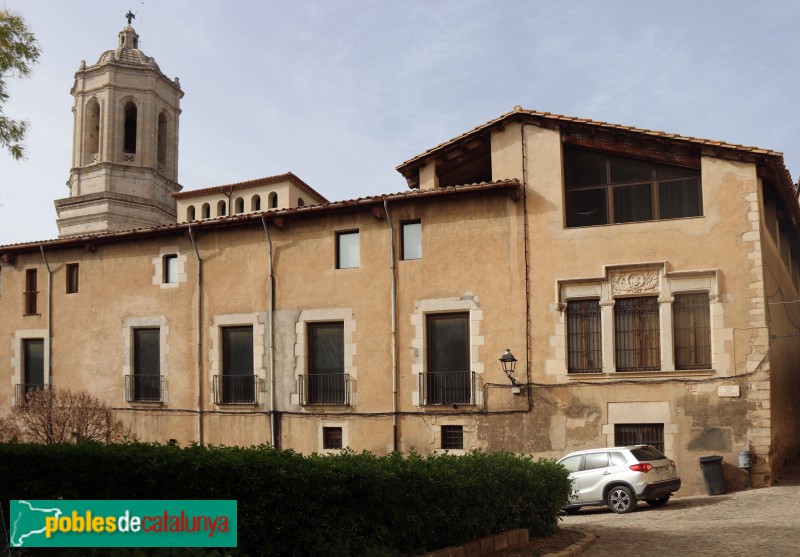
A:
{"x": 124, "y": 144}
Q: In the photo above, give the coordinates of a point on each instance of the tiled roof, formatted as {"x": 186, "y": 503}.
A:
{"x": 245, "y": 218}
{"x": 548, "y": 116}
{"x": 227, "y": 188}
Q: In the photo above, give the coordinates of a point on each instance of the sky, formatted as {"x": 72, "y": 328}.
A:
{"x": 340, "y": 92}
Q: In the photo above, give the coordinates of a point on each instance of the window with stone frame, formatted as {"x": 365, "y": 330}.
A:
{"x": 639, "y": 434}
{"x": 691, "y": 321}
{"x": 331, "y": 437}
{"x": 584, "y": 337}
{"x": 452, "y": 437}
{"x": 637, "y": 337}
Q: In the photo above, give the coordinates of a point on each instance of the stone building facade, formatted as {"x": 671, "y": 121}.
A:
{"x": 646, "y": 283}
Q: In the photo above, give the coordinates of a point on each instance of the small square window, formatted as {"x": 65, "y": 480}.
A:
{"x": 347, "y": 250}
{"x": 411, "y": 240}
{"x": 170, "y": 268}
{"x": 72, "y": 278}
{"x": 452, "y": 437}
{"x": 331, "y": 437}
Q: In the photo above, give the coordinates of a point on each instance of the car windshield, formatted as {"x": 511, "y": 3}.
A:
{"x": 647, "y": 453}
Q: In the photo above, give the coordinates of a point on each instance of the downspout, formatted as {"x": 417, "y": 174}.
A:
{"x": 270, "y": 318}
{"x": 527, "y": 267}
{"x": 394, "y": 329}
{"x": 201, "y": 383}
{"x": 48, "y": 370}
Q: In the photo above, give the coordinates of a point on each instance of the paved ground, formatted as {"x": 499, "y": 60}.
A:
{"x": 750, "y": 523}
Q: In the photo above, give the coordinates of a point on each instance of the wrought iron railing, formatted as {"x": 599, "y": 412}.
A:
{"x": 145, "y": 388}
{"x": 21, "y": 391}
{"x": 447, "y": 388}
{"x": 236, "y": 389}
{"x": 324, "y": 388}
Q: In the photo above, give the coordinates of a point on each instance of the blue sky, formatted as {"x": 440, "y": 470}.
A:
{"x": 341, "y": 92}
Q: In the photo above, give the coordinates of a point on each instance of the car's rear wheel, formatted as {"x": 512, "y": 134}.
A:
{"x": 660, "y": 502}
{"x": 621, "y": 499}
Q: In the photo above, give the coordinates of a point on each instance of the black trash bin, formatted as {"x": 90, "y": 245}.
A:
{"x": 712, "y": 474}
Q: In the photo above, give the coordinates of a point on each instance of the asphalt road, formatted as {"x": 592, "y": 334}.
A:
{"x": 752, "y": 523}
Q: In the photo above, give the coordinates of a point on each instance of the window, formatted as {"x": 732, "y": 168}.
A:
{"x": 603, "y": 189}
{"x": 221, "y": 209}
{"x": 326, "y": 382}
{"x": 33, "y": 363}
{"x": 237, "y": 384}
{"x": 239, "y": 205}
{"x": 584, "y": 337}
{"x": 190, "y": 213}
{"x": 206, "y": 211}
{"x": 411, "y": 240}
{"x": 91, "y": 144}
{"x": 273, "y": 200}
{"x": 129, "y": 127}
{"x": 593, "y": 461}
{"x": 692, "y": 334}
{"x": 640, "y": 434}
{"x": 72, "y": 278}
{"x": 448, "y": 380}
{"x": 452, "y": 437}
{"x": 300, "y": 202}
{"x": 255, "y": 203}
{"x": 331, "y": 437}
{"x": 347, "y": 250}
{"x": 31, "y": 293}
{"x": 161, "y": 147}
{"x": 637, "y": 334}
{"x": 170, "y": 268}
{"x": 145, "y": 383}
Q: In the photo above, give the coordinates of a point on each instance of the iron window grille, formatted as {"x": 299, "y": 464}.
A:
{"x": 23, "y": 390}
{"x": 639, "y": 434}
{"x": 145, "y": 388}
{"x": 317, "y": 389}
{"x": 331, "y": 437}
{"x": 584, "y": 337}
{"x": 637, "y": 334}
{"x": 447, "y": 388}
{"x": 452, "y": 437}
{"x": 692, "y": 331}
{"x": 236, "y": 389}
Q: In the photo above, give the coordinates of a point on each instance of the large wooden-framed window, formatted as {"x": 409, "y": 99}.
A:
{"x": 637, "y": 334}
{"x": 609, "y": 189}
{"x": 584, "y": 337}
{"x": 448, "y": 379}
{"x": 238, "y": 383}
{"x": 326, "y": 377}
{"x": 146, "y": 380}
{"x": 691, "y": 321}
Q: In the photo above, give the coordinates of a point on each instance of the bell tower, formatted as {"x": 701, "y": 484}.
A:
{"x": 124, "y": 143}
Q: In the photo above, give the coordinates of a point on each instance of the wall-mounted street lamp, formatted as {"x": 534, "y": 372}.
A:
{"x": 509, "y": 362}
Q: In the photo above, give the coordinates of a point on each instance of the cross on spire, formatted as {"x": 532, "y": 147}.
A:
{"x": 130, "y": 15}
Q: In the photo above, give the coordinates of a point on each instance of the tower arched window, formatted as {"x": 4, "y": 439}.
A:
{"x": 91, "y": 145}
{"x": 129, "y": 139}
{"x": 205, "y": 212}
{"x": 238, "y": 205}
{"x": 221, "y": 209}
{"x": 255, "y": 203}
{"x": 163, "y": 131}
{"x": 273, "y": 200}
{"x": 190, "y": 213}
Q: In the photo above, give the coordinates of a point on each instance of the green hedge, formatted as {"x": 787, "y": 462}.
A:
{"x": 289, "y": 504}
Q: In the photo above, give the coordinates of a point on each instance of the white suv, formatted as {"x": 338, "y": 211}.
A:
{"x": 619, "y": 477}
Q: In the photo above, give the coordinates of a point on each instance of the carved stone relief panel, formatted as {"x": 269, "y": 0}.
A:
{"x": 644, "y": 281}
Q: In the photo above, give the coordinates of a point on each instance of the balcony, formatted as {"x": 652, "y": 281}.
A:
{"x": 22, "y": 390}
{"x": 316, "y": 389}
{"x": 447, "y": 388}
{"x": 145, "y": 388}
{"x": 236, "y": 389}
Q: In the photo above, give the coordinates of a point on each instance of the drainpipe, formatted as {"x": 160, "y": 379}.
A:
{"x": 394, "y": 329}
{"x": 201, "y": 383}
{"x": 527, "y": 266}
{"x": 270, "y": 318}
{"x": 48, "y": 371}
